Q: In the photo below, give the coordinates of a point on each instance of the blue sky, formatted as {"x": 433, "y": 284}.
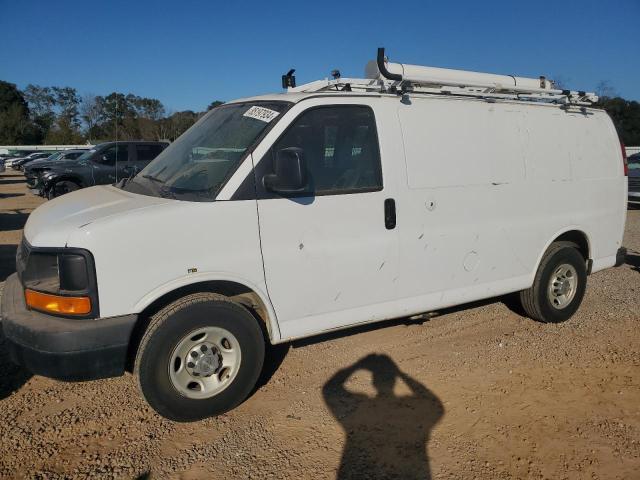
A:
{"x": 191, "y": 52}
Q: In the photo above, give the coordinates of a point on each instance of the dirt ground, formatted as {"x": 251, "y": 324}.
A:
{"x": 475, "y": 392}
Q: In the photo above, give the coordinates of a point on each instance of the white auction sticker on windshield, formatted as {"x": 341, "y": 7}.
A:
{"x": 261, "y": 113}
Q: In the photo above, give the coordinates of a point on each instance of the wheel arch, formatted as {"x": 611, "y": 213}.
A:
{"x": 250, "y": 297}
{"x": 66, "y": 177}
{"x": 573, "y": 235}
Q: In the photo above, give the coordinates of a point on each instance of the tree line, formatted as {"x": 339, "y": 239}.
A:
{"x": 59, "y": 115}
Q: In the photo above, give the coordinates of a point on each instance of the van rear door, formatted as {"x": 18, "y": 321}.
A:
{"x": 329, "y": 253}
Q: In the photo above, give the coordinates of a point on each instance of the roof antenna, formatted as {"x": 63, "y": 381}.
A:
{"x": 289, "y": 79}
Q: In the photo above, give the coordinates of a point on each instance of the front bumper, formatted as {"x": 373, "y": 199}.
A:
{"x": 63, "y": 348}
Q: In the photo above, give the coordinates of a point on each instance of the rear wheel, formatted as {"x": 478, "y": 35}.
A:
{"x": 559, "y": 285}
{"x": 200, "y": 356}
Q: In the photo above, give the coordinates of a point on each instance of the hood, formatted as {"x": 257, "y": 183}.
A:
{"x": 51, "y": 224}
{"x": 37, "y": 165}
{"x": 59, "y": 165}
{"x": 41, "y": 162}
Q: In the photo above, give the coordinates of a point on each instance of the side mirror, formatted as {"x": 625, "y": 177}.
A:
{"x": 290, "y": 172}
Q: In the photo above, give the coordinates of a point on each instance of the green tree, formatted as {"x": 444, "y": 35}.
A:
{"x": 90, "y": 115}
{"x": 15, "y": 125}
{"x": 626, "y": 117}
{"x": 66, "y": 128}
{"x": 42, "y": 102}
{"x": 214, "y": 104}
{"x": 116, "y": 115}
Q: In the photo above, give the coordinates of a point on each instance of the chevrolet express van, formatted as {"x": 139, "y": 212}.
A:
{"x": 334, "y": 204}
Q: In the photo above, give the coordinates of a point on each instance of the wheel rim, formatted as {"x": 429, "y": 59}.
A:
{"x": 204, "y": 362}
{"x": 562, "y": 286}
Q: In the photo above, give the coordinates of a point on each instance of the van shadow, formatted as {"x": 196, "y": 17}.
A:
{"x": 7, "y": 261}
{"x": 386, "y": 434}
{"x": 11, "y": 195}
{"x": 12, "y": 377}
{"x": 633, "y": 261}
{"x": 12, "y": 220}
{"x": 9, "y": 181}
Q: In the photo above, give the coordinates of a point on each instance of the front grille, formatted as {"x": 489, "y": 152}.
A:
{"x": 634, "y": 184}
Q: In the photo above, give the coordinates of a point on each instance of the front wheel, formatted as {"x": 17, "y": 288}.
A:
{"x": 559, "y": 285}
{"x": 62, "y": 187}
{"x": 200, "y": 356}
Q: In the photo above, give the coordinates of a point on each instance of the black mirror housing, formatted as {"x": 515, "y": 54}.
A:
{"x": 290, "y": 172}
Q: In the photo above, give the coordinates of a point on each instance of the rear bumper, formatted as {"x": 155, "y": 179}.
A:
{"x": 63, "y": 348}
{"x": 621, "y": 256}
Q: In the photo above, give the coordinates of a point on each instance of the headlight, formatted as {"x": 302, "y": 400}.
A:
{"x": 54, "y": 273}
{"x": 59, "y": 281}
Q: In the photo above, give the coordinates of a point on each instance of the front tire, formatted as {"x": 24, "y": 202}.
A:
{"x": 200, "y": 356}
{"x": 559, "y": 285}
{"x": 62, "y": 187}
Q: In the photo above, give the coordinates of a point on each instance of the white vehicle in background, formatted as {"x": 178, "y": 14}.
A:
{"x": 338, "y": 203}
{"x": 8, "y": 161}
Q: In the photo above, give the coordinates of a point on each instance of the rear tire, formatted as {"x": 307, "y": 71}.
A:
{"x": 559, "y": 285}
{"x": 200, "y": 356}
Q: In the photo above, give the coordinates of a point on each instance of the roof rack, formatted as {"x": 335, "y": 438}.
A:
{"x": 399, "y": 78}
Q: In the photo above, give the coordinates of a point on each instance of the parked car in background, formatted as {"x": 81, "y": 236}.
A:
{"x": 633, "y": 163}
{"x": 20, "y": 163}
{"x": 104, "y": 164}
{"x": 9, "y": 159}
{"x": 33, "y": 170}
{"x": 2, "y": 167}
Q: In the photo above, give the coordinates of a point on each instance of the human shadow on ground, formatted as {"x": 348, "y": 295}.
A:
{"x": 8, "y": 181}
{"x": 386, "y": 434}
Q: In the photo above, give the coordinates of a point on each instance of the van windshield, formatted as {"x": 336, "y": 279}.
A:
{"x": 197, "y": 164}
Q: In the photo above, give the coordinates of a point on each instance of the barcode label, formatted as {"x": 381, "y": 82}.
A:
{"x": 261, "y": 113}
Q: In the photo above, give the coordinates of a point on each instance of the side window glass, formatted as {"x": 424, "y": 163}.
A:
{"x": 146, "y": 153}
{"x": 110, "y": 155}
{"x": 340, "y": 148}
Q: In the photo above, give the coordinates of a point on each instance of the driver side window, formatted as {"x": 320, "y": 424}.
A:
{"x": 340, "y": 146}
{"x": 116, "y": 152}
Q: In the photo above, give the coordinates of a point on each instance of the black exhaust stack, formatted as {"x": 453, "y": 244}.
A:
{"x": 383, "y": 68}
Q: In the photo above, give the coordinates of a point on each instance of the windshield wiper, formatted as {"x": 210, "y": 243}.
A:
{"x": 152, "y": 178}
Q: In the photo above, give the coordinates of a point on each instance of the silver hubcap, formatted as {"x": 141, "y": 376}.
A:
{"x": 562, "y": 286}
{"x": 205, "y": 362}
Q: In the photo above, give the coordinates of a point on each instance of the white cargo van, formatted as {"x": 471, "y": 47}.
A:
{"x": 337, "y": 203}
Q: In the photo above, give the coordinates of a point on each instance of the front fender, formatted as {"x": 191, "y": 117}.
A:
{"x": 194, "y": 278}
{"x": 52, "y": 178}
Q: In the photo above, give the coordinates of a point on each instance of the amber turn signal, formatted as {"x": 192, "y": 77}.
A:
{"x": 57, "y": 304}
